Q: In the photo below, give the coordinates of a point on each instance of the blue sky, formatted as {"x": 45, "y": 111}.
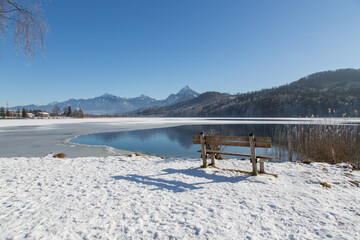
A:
{"x": 156, "y": 47}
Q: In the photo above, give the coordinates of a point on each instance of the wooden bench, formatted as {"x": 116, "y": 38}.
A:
{"x": 210, "y": 145}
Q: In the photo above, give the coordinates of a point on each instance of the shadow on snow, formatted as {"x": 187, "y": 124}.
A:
{"x": 180, "y": 186}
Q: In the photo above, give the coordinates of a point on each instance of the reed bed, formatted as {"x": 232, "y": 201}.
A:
{"x": 320, "y": 143}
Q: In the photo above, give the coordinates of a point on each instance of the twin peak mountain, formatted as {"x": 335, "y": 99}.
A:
{"x": 111, "y": 104}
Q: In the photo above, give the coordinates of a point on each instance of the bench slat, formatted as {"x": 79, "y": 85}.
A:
{"x": 240, "y": 154}
{"x": 226, "y": 138}
{"x": 263, "y": 139}
{"x": 262, "y": 145}
{"x": 233, "y": 138}
{"x": 239, "y": 144}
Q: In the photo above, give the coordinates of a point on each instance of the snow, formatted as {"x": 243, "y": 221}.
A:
{"x": 129, "y": 197}
{"x": 131, "y": 121}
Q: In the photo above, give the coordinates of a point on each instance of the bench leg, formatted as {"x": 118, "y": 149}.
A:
{"x": 253, "y": 153}
{"x": 213, "y": 159}
{"x": 204, "y": 158}
{"x": 203, "y": 150}
{"x": 262, "y": 167}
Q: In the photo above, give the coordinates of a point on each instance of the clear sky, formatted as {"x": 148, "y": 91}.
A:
{"x": 156, "y": 47}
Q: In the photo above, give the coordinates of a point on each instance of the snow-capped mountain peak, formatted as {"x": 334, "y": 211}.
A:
{"x": 111, "y": 104}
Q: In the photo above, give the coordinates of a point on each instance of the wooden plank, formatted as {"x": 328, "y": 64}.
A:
{"x": 263, "y": 139}
{"x": 253, "y": 154}
{"x": 240, "y": 154}
{"x": 263, "y": 145}
{"x": 229, "y": 153}
{"x": 203, "y": 150}
{"x": 234, "y": 138}
{"x": 226, "y": 138}
{"x": 239, "y": 144}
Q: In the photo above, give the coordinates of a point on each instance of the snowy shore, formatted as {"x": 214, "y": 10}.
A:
{"x": 121, "y": 197}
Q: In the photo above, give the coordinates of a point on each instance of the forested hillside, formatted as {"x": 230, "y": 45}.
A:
{"x": 323, "y": 94}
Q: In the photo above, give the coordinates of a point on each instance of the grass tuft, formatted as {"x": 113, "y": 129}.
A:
{"x": 59, "y": 155}
{"x": 325, "y": 184}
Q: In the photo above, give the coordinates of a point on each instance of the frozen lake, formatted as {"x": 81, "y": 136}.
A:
{"x": 175, "y": 141}
{"x": 38, "y": 137}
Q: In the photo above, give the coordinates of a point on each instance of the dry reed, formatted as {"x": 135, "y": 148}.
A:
{"x": 321, "y": 143}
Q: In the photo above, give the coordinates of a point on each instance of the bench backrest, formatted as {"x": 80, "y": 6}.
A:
{"x": 260, "y": 142}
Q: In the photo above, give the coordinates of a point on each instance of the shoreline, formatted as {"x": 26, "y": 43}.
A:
{"x": 38, "y": 137}
{"x": 103, "y": 148}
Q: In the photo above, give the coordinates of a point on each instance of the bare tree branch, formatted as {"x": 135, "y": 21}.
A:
{"x": 25, "y": 22}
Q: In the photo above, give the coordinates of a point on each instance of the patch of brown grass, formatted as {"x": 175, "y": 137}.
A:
{"x": 325, "y": 184}
{"x": 355, "y": 183}
{"x": 307, "y": 162}
{"x": 59, "y": 155}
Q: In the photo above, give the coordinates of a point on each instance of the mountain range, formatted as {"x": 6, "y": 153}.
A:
{"x": 323, "y": 94}
{"x": 111, "y": 104}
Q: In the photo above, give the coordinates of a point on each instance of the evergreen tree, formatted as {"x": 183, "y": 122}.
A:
{"x": 69, "y": 111}
{"x": 18, "y": 112}
{"x": 2, "y": 112}
{"x": 8, "y": 114}
{"x": 78, "y": 113}
{"x": 24, "y": 113}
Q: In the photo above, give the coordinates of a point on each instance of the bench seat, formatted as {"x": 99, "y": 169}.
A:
{"x": 239, "y": 154}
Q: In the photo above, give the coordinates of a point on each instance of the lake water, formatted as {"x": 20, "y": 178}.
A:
{"x": 177, "y": 141}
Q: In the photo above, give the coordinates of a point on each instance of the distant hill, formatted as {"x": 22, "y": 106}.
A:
{"x": 110, "y": 104}
{"x": 323, "y": 94}
{"x": 331, "y": 80}
{"x": 181, "y": 108}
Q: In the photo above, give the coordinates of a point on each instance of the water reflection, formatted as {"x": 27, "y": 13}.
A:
{"x": 175, "y": 141}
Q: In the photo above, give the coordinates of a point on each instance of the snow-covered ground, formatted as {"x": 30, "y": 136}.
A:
{"x": 108, "y": 196}
{"x": 122, "y": 197}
